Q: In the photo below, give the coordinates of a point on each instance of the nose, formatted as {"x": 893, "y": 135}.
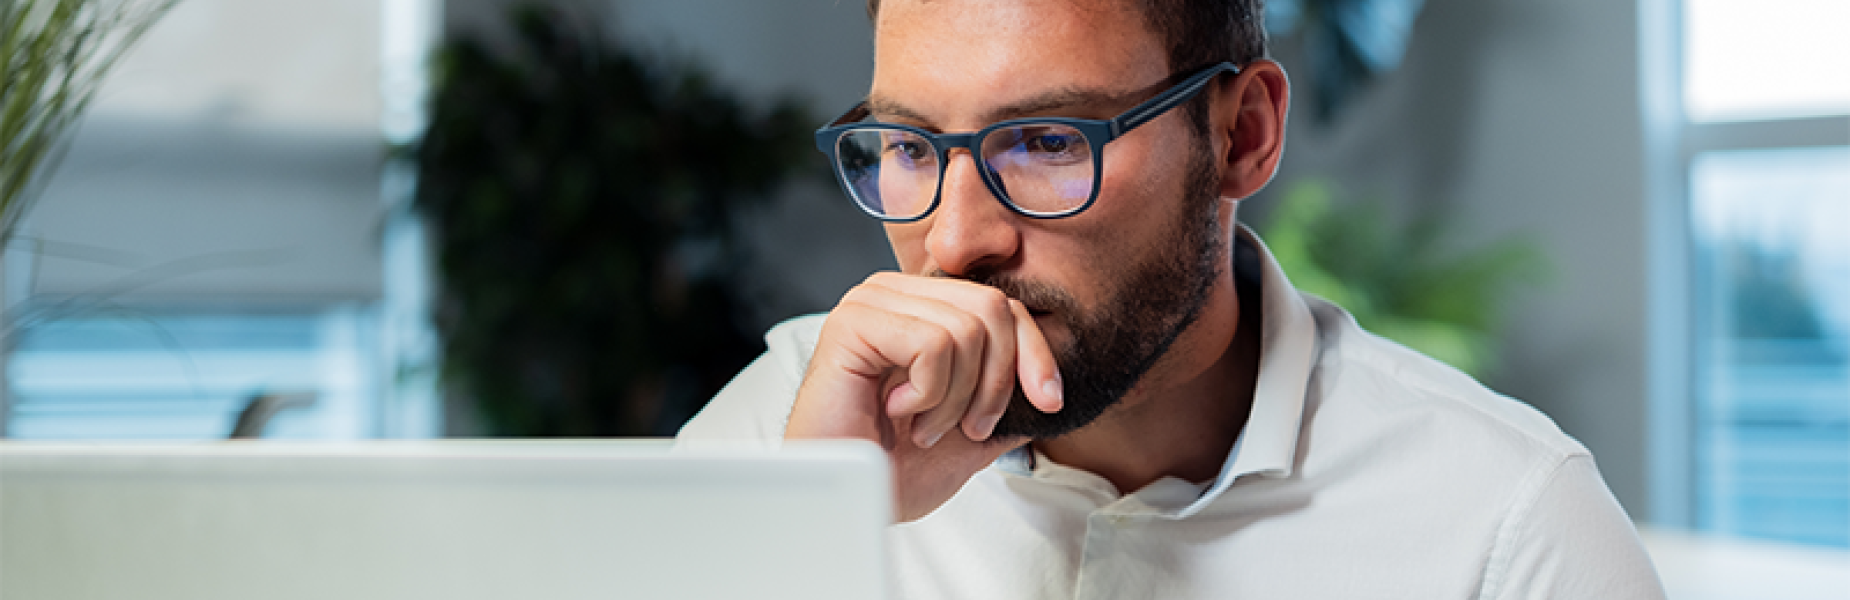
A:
{"x": 970, "y": 230}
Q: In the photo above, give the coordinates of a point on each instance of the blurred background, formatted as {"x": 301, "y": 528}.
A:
{"x": 352, "y": 219}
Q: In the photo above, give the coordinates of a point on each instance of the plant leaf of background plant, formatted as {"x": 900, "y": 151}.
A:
{"x": 56, "y": 54}
{"x": 1400, "y": 281}
{"x": 583, "y": 201}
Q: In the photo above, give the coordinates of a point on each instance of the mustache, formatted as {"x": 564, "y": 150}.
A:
{"x": 1038, "y": 296}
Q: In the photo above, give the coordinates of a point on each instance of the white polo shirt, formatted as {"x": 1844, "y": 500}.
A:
{"x": 1365, "y": 470}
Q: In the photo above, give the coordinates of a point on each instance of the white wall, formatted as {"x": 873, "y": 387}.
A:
{"x": 234, "y": 153}
{"x": 1521, "y": 117}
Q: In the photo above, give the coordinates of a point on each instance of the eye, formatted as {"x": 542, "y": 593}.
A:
{"x": 908, "y": 150}
{"x": 1050, "y": 143}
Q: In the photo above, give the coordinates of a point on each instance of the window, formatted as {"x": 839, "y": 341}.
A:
{"x": 1754, "y": 139}
{"x": 164, "y": 374}
{"x": 1772, "y": 274}
{"x": 226, "y": 224}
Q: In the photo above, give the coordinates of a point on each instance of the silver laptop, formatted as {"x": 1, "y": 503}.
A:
{"x": 451, "y": 520}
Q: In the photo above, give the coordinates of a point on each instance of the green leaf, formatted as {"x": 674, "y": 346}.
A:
{"x": 1402, "y": 281}
{"x": 56, "y": 54}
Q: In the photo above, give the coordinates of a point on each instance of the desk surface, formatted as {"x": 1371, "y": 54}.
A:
{"x": 1706, "y": 567}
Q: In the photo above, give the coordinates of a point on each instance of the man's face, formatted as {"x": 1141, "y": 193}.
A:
{"x": 1111, "y": 287}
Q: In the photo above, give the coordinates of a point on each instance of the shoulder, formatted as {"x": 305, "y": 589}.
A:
{"x": 755, "y": 405}
{"x": 1358, "y": 371}
{"x": 1388, "y": 426}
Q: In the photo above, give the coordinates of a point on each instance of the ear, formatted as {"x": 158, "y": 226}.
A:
{"x": 1249, "y": 122}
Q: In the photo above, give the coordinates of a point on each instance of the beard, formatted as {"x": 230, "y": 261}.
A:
{"x": 1151, "y": 304}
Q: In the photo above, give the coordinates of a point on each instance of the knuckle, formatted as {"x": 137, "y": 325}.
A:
{"x": 875, "y": 283}
{"x": 941, "y": 338}
{"x": 936, "y": 352}
{"x": 969, "y": 331}
{"x": 994, "y": 303}
{"x": 857, "y": 296}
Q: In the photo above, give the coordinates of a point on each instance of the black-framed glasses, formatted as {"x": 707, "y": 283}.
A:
{"x": 1041, "y": 167}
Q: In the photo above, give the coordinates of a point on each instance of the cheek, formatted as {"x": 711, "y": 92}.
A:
{"x": 1139, "y": 210}
{"x": 908, "y": 242}
{"x": 1136, "y": 209}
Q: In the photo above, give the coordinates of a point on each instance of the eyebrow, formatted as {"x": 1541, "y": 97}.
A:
{"x": 1038, "y": 104}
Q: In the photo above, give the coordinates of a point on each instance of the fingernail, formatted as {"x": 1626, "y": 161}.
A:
{"x": 988, "y": 426}
{"x": 1055, "y": 389}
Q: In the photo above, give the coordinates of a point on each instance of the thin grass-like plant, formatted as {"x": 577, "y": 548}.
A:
{"x": 56, "y": 54}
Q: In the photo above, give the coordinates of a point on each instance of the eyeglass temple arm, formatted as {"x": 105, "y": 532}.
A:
{"x": 1142, "y": 113}
{"x": 854, "y": 115}
{"x": 1137, "y": 115}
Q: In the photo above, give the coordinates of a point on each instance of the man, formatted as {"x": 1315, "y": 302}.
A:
{"x": 1093, "y": 383}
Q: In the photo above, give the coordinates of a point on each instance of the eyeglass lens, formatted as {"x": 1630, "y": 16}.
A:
{"x": 1039, "y": 168}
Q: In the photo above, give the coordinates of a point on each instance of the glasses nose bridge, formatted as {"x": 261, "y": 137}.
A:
{"x": 948, "y": 142}
{"x": 970, "y": 143}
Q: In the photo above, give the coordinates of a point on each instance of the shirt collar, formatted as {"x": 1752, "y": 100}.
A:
{"x": 1288, "y": 352}
{"x": 1267, "y": 444}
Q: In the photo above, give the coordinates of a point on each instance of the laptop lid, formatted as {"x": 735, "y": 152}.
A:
{"x": 453, "y": 520}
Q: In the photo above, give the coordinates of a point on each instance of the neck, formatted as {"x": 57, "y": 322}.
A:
{"x": 1181, "y": 420}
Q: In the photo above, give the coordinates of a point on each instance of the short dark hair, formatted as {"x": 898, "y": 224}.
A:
{"x": 1198, "y": 33}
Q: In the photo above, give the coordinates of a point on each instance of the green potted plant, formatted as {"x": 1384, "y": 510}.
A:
{"x": 56, "y": 54}
{"x": 1404, "y": 281}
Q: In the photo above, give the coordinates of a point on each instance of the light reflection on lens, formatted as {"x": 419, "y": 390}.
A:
{"x": 1041, "y": 169}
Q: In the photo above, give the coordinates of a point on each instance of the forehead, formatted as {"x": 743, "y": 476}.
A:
{"x": 958, "y": 57}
